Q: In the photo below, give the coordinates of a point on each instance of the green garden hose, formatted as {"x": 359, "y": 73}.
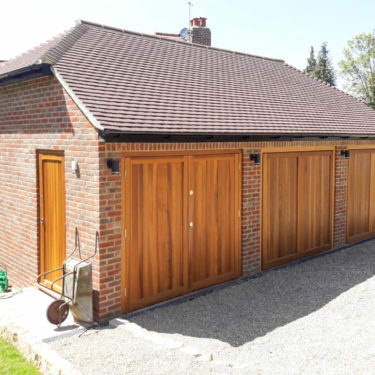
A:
{"x": 3, "y": 279}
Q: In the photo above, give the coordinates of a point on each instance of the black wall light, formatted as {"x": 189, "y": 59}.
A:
{"x": 345, "y": 153}
{"x": 114, "y": 165}
{"x": 255, "y": 158}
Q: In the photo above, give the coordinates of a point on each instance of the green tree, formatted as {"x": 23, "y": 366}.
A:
{"x": 358, "y": 67}
{"x": 323, "y": 69}
{"x": 311, "y": 62}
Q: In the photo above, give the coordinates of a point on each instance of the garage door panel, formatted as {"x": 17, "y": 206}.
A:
{"x": 164, "y": 255}
{"x": 358, "y": 194}
{"x": 279, "y": 206}
{"x": 297, "y": 205}
{"x": 156, "y": 246}
{"x": 314, "y": 201}
{"x": 372, "y": 194}
{"x": 213, "y": 247}
{"x": 360, "y": 203}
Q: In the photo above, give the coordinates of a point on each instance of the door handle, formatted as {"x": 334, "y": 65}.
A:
{"x": 41, "y": 220}
{"x": 191, "y": 224}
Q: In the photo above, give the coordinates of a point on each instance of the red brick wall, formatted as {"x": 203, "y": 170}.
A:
{"x": 39, "y": 115}
{"x": 251, "y": 218}
{"x": 341, "y": 176}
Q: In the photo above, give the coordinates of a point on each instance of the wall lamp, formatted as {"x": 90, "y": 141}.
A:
{"x": 255, "y": 158}
{"x": 114, "y": 165}
{"x": 345, "y": 153}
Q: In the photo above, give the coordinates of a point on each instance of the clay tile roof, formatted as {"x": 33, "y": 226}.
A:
{"x": 136, "y": 83}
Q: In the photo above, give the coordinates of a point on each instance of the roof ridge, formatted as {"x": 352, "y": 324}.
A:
{"x": 160, "y": 33}
{"x": 67, "y": 40}
{"x": 35, "y": 48}
{"x": 176, "y": 41}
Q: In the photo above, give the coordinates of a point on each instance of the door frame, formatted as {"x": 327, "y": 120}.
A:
{"x": 47, "y": 155}
{"x": 294, "y": 149}
{"x": 125, "y": 221}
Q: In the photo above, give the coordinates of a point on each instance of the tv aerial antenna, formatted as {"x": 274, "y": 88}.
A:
{"x": 186, "y": 31}
{"x": 190, "y": 6}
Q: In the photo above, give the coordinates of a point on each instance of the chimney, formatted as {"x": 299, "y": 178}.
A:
{"x": 200, "y": 34}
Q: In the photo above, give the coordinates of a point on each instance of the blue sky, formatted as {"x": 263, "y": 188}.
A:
{"x": 274, "y": 28}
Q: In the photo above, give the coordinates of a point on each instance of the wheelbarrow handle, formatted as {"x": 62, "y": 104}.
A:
{"x": 46, "y": 273}
{"x": 60, "y": 278}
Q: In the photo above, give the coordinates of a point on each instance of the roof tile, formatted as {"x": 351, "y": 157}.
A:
{"x": 136, "y": 83}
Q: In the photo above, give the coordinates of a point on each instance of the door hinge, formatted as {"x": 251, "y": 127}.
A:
{"x": 125, "y": 292}
{"x": 125, "y": 172}
{"x": 239, "y": 213}
{"x": 125, "y": 232}
{"x": 239, "y": 166}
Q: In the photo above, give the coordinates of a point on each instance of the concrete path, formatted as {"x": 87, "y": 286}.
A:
{"x": 23, "y": 321}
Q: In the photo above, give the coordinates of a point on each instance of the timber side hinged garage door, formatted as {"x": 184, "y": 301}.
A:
{"x": 182, "y": 224}
{"x": 297, "y": 205}
{"x": 361, "y": 195}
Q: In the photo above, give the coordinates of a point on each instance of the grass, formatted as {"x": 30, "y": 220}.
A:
{"x": 13, "y": 363}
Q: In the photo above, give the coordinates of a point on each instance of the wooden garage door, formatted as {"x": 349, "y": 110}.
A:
{"x": 156, "y": 261}
{"x": 361, "y": 195}
{"x": 213, "y": 219}
{"x": 182, "y": 224}
{"x": 297, "y": 205}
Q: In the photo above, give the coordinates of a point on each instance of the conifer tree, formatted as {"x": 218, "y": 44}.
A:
{"x": 311, "y": 62}
{"x": 323, "y": 69}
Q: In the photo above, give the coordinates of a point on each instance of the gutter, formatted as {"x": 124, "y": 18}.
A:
{"x": 110, "y": 135}
{"x": 75, "y": 98}
{"x": 39, "y": 69}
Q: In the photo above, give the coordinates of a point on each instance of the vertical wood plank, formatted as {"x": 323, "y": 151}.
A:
{"x": 214, "y": 212}
{"x": 314, "y": 200}
{"x": 279, "y": 207}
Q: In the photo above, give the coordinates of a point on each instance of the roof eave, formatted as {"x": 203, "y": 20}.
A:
{"x": 36, "y": 70}
{"x": 110, "y": 135}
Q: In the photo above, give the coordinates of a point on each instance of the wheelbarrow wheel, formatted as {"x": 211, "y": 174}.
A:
{"x": 57, "y": 312}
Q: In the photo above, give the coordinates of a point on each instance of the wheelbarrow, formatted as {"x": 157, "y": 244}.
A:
{"x": 76, "y": 290}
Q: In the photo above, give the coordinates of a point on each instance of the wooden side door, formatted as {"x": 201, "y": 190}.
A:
{"x": 361, "y": 195}
{"x": 214, "y": 219}
{"x": 52, "y": 214}
{"x": 155, "y": 246}
{"x": 280, "y": 187}
{"x": 297, "y": 205}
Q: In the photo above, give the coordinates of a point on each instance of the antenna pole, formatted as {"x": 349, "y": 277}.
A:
{"x": 190, "y": 5}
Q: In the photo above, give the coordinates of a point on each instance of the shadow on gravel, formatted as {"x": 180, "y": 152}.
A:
{"x": 241, "y": 313}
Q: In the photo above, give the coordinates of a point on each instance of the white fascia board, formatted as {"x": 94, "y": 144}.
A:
{"x": 80, "y": 105}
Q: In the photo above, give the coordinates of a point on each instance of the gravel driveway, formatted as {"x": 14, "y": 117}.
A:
{"x": 314, "y": 317}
